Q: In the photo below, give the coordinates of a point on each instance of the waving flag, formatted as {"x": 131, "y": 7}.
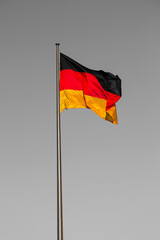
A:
{"x": 81, "y": 87}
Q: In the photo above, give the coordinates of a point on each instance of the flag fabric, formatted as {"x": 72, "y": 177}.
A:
{"x": 81, "y": 87}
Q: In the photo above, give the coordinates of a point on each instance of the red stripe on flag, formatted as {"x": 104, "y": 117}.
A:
{"x": 86, "y": 82}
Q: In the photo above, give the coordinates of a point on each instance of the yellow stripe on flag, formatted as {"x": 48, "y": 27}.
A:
{"x": 76, "y": 99}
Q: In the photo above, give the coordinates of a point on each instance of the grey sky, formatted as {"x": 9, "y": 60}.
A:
{"x": 110, "y": 173}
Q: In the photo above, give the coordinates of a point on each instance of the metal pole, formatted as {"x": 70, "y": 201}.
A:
{"x": 59, "y": 171}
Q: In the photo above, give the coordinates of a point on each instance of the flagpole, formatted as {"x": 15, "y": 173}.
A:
{"x": 59, "y": 170}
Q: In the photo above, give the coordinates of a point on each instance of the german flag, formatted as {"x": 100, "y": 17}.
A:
{"x": 81, "y": 87}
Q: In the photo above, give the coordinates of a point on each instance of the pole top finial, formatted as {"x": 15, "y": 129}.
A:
{"x": 57, "y": 44}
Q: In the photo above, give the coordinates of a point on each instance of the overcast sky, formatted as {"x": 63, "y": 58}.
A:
{"x": 111, "y": 174}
